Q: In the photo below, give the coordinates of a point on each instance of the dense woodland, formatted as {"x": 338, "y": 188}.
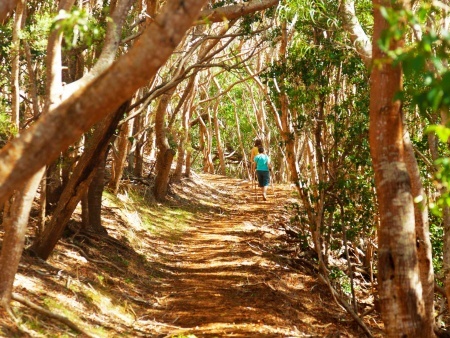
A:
{"x": 349, "y": 97}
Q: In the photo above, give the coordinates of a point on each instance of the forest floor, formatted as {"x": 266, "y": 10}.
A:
{"x": 214, "y": 261}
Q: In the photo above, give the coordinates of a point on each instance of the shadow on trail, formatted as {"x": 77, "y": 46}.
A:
{"x": 223, "y": 284}
{"x": 218, "y": 277}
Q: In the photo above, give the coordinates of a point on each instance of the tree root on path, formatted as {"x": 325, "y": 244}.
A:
{"x": 9, "y": 314}
{"x": 41, "y": 310}
{"x": 85, "y": 255}
{"x": 342, "y": 302}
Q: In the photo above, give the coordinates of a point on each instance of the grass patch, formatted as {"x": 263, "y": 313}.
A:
{"x": 161, "y": 220}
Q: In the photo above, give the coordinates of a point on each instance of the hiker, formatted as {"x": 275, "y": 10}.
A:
{"x": 263, "y": 168}
{"x": 253, "y": 153}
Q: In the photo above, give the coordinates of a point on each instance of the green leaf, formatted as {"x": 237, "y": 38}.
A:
{"x": 441, "y": 131}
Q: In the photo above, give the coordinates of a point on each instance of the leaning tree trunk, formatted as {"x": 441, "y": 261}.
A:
{"x": 165, "y": 153}
{"x": 400, "y": 288}
{"x": 78, "y": 185}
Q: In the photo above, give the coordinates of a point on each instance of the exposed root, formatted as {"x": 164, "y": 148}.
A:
{"x": 41, "y": 310}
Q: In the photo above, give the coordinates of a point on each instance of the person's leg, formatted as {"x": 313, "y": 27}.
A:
{"x": 264, "y": 189}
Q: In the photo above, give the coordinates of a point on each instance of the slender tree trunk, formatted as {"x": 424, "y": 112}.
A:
{"x": 119, "y": 157}
{"x": 217, "y": 132}
{"x": 182, "y": 143}
{"x": 94, "y": 199}
{"x": 17, "y": 211}
{"x": 186, "y": 116}
{"x": 187, "y": 170}
{"x": 140, "y": 142}
{"x": 85, "y": 211}
{"x": 400, "y": 287}
{"x": 15, "y": 224}
{"x": 15, "y": 63}
{"x": 33, "y": 83}
{"x": 423, "y": 241}
{"x": 165, "y": 153}
{"x": 241, "y": 144}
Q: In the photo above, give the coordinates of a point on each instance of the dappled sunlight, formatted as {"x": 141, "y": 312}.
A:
{"x": 201, "y": 264}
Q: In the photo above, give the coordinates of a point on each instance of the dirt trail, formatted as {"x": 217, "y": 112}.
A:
{"x": 226, "y": 279}
{"x": 211, "y": 262}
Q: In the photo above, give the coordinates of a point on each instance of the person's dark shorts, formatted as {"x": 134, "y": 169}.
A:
{"x": 263, "y": 178}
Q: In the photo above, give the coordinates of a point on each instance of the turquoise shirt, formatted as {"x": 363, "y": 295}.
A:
{"x": 262, "y": 162}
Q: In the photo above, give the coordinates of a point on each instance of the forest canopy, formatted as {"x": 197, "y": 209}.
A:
{"x": 349, "y": 99}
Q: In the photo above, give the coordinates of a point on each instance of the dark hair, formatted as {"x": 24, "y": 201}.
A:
{"x": 260, "y": 149}
{"x": 258, "y": 142}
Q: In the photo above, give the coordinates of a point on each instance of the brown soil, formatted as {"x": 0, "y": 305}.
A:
{"x": 227, "y": 272}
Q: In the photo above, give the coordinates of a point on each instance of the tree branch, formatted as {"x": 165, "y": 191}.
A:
{"x": 358, "y": 37}
{"x": 234, "y": 11}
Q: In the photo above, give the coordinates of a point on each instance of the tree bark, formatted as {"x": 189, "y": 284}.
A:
{"x": 15, "y": 64}
{"x": 165, "y": 153}
{"x": 217, "y": 132}
{"x": 119, "y": 157}
{"x": 358, "y": 37}
{"x": 221, "y": 14}
{"x": 184, "y": 137}
{"x": 6, "y": 7}
{"x": 400, "y": 288}
{"x": 422, "y": 229}
{"x": 94, "y": 199}
{"x": 15, "y": 224}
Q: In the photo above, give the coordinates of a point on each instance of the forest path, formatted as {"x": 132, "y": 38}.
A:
{"x": 225, "y": 279}
{"x": 210, "y": 262}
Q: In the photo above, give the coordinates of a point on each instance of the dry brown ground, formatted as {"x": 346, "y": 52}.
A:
{"x": 212, "y": 262}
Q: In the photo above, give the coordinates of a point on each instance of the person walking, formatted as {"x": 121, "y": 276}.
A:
{"x": 254, "y": 152}
{"x": 263, "y": 168}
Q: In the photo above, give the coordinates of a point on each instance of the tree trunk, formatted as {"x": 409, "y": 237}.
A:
{"x": 6, "y": 7}
{"x": 119, "y": 158}
{"x": 188, "y": 96}
{"x": 423, "y": 241}
{"x": 187, "y": 170}
{"x": 15, "y": 64}
{"x": 218, "y": 136}
{"x": 140, "y": 142}
{"x": 400, "y": 288}
{"x": 165, "y": 153}
{"x": 164, "y": 159}
{"x": 78, "y": 185}
{"x": 15, "y": 223}
{"x": 94, "y": 199}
